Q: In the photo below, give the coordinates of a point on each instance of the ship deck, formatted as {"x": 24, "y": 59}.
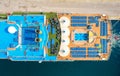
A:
{"x": 55, "y": 37}
{"x": 88, "y": 37}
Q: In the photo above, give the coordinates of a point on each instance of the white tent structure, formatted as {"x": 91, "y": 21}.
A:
{"x": 64, "y": 22}
{"x": 65, "y": 41}
{"x": 64, "y": 51}
{"x": 65, "y": 32}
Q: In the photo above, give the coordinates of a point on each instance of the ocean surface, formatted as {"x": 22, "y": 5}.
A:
{"x": 77, "y": 68}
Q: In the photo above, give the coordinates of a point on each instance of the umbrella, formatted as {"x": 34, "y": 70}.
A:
{"x": 64, "y": 21}
{"x": 64, "y": 51}
{"x": 65, "y": 32}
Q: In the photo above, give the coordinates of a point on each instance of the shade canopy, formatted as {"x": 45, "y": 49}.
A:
{"x": 64, "y": 21}
{"x": 65, "y": 41}
{"x": 64, "y": 51}
{"x": 65, "y": 32}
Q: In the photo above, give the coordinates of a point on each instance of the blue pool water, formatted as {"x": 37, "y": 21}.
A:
{"x": 80, "y": 36}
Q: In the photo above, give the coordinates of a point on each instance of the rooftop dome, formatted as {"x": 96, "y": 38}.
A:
{"x": 12, "y": 29}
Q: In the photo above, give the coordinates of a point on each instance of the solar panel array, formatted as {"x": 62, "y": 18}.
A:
{"x": 104, "y": 45}
{"x": 78, "y": 52}
{"x": 103, "y": 28}
{"x": 92, "y": 19}
{"x": 78, "y": 20}
{"x": 92, "y": 52}
{"x": 82, "y": 20}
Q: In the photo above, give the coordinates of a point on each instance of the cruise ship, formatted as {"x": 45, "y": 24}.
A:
{"x": 50, "y": 36}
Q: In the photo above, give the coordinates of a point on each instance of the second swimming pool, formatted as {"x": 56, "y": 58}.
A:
{"x": 80, "y": 36}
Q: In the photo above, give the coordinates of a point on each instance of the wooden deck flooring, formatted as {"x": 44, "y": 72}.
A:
{"x": 86, "y": 44}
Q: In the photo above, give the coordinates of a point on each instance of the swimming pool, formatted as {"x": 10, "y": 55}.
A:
{"x": 80, "y": 36}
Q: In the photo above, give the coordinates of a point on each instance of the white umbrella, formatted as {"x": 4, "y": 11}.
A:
{"x": 65, "y": 41}
{"x": 64, "y": 51}
{"x": 65, "y": 32}
{"x": 64, "y": 22}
